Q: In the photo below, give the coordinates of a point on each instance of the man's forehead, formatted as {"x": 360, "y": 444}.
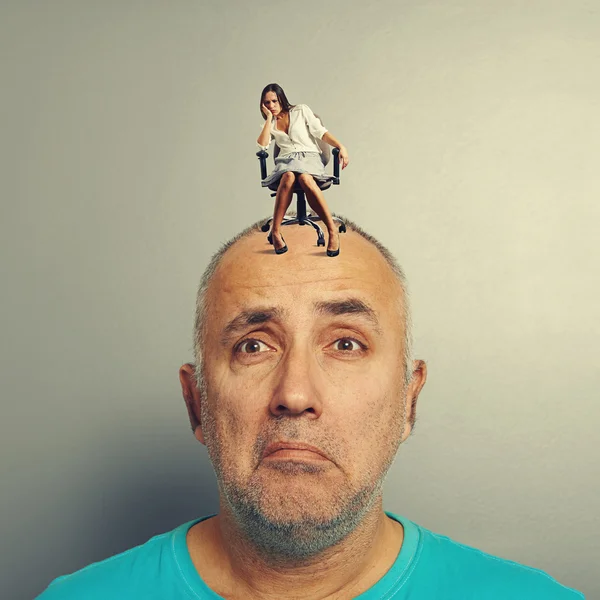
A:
{"x": 251, "y": 271}
{"x": 258, "y": 314}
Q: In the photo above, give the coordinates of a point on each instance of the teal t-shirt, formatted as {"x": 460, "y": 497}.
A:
{"x": 429, "y": 567}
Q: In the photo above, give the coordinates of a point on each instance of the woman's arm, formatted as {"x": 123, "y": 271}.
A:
{"x": 317, "y": 130}
{"x": 332, "y": 141}
{"x": 328, "y": 137}
{"x": 265, "y": 135}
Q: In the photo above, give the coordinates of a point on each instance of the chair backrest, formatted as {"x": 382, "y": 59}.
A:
{"x": 324, "y": 148}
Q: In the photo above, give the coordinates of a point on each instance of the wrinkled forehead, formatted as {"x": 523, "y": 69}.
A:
{"x": 251, "y": 273}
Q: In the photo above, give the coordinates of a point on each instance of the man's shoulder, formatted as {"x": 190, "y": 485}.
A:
{"x": 120, "y": 576}
{"x": 491, "y": 576}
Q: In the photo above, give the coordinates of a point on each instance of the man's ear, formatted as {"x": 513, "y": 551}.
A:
{"x": 419, "y": 377}
{"x": 193, "y": 398}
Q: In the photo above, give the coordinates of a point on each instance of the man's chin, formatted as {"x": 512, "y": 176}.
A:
{"x": 298, "y": 522}
{"x": 298, "y": 505}
{"x": 295, "y": 511}
{"x": 300, "y": 498}
{"x": 292, "y": 495}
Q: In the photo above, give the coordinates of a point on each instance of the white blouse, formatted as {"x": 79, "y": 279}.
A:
{"x": 303, "y": 129}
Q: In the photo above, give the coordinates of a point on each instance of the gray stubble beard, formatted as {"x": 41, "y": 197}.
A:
{"x": 298, "y": 541}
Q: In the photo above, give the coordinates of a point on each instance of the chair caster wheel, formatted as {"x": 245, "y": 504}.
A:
{"x": 320, "y": 242}
{"x": 265, "y": 227}
{"x": 342, "y": 228}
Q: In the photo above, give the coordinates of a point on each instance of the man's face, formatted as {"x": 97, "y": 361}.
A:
{"x": 305, "y": 401}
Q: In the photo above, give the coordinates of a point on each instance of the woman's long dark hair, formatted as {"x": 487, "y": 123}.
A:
{"x": 275, "y": 87}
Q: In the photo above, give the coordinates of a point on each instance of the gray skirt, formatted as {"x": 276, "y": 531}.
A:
{"x": 297, "y": 162}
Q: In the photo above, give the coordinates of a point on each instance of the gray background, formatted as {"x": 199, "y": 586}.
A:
{"x": 128, "y": 140}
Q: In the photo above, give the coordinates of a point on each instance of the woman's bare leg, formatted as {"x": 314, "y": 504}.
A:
{"x": 316, "y": 200}
{"x": 283, "y": 200}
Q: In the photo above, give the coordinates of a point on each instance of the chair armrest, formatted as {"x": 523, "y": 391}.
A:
{"x": 336, "y": 166}
{"x": 262, "y": 157}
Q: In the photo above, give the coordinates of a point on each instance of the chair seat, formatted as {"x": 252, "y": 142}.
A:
{"x": 323, "y": 185}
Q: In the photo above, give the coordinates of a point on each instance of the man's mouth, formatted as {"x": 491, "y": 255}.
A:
{"x": 293, "y": 451}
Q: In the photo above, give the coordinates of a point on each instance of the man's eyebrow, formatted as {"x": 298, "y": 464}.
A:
{"x": 349, "y": 306}
{"x": 247, "y": 318}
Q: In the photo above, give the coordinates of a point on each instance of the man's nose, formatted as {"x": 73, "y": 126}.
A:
{"x": 298, "y": 385}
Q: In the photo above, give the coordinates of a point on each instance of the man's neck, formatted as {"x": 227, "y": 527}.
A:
{"x": 234, "y": 568}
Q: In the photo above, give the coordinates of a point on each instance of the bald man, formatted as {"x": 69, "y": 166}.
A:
{"x": 302, "y": 390}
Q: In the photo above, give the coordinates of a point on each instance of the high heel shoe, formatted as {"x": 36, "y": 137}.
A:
{"x": 334, "y": 252}
{"x": 281, "y": 250}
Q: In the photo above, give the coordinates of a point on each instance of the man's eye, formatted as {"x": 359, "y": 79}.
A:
{"x": 347, "y": 345}
{"x": 251, "y": 347}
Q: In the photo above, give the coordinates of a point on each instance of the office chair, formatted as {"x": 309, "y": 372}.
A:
{"x": 302, "y": 217}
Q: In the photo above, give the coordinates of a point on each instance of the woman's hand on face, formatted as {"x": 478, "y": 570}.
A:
{"x": 344, "y": 160}
{"x": 267, "y": 112}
